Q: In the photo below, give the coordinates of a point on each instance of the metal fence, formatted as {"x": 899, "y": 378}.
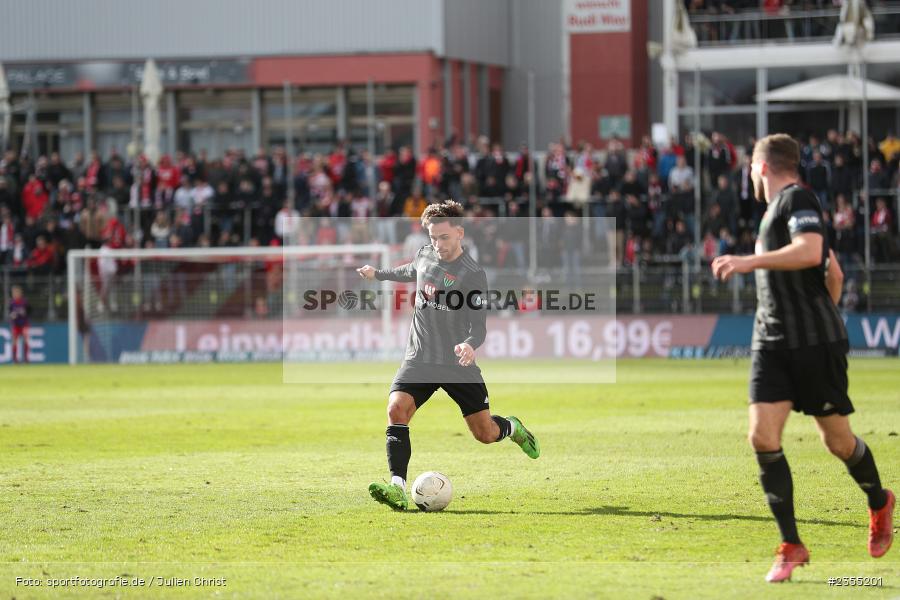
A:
{"x": 673, "y": 286}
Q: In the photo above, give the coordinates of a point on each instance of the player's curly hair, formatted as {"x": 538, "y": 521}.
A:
{"x": 446, "y": 211}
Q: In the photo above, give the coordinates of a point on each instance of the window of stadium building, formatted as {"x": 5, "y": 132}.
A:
{"x": 394, "y": 116}
{"x": 119, "y": 119}
{"x": 313, "y": 123}
{"x": 718, "y": 88}
{"x": 215, "y": 120}
{"x": 59, "y": 124}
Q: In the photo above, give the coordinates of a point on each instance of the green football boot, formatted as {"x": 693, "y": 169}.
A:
{"x": 390, "y": 494}
{"x": 524, "y": 438}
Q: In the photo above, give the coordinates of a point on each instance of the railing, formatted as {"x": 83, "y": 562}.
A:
{"x": 669, "y": 285}
{"x": 679, "y": 287}
{"x": 785, "y": 25}
{"x": 238, "y": 215}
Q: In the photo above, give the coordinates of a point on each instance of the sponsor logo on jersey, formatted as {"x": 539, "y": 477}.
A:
{"x": 804, "y": 220}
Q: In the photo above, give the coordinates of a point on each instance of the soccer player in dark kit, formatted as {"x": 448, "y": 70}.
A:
{"x": 440, "y": 353}
{"x": 799, "y": 348}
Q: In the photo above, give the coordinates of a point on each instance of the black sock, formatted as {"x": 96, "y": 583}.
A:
{"x": 505, "y": 426}
{"x": 862, "y": 467}
{"x": 775, "y": 477}
{"x": 398, "y": 449}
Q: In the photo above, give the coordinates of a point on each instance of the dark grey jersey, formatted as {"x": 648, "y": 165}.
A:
{"x": 449, "y": 305}
{"x": 794, "y": 309}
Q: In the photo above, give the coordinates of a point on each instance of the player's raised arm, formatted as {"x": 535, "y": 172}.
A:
{"x": 405, "y": 272}
{"x": 834, "y": 278}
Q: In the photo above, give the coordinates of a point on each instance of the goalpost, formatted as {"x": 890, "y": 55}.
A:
{"x": 127, "y": 303}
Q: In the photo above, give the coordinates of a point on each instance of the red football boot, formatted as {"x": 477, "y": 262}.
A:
{"x": 787, "y": 558}
{"x": 881, "y": 527}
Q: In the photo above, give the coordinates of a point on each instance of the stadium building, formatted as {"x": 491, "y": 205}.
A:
{"x": 437, "y": 68}
{"x": 726, "y": 70}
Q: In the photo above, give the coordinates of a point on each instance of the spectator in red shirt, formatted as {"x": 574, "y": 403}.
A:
{"x": 337, "y": 160}
{"x": 881, "y": 231}
{"x": 40, "y": 261}
{"x": 93, "y": 174}
{"x": 113, "y": 233}
{"x": 168, "y": 177}
{"x": 387, "y": 164}
{"x": 146, "y": 183}
{"x": 34, "y": 197}
{"x": 647, "y": 153}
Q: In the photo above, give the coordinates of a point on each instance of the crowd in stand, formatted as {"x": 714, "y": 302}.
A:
{"x": 48, "y": 206}
{"x": 730, "y": 20}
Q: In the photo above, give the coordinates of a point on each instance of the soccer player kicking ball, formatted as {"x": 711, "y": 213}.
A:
{"x": 799, "y": 348}
{"x": 440, "y": 352}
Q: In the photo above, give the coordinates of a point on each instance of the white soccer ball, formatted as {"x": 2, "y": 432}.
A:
{"x": 431, "y": 491}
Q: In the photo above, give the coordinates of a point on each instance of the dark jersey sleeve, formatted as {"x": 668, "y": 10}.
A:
{"x": 404, "y": 273}
{"x": 803, "y": 214}
{"x": 476, "y": 291}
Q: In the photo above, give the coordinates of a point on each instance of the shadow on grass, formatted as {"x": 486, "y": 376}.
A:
{"x": 624, "y": 511}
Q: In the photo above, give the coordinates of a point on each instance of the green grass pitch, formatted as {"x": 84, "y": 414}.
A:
{"x": 646, "y": 488}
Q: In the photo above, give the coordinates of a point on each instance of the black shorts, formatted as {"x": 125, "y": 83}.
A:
{"x": 464, "y": 385}
{"x": 813, "y": 378}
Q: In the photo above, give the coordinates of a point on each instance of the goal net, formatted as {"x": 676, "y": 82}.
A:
{"x": 212, "y": 304}
{"x": 547, "y": 306}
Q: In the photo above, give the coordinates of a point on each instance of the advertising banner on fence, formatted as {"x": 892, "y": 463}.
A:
{"x": 46, "y": 344}
{"x": 674, "y": 336}
{"x": 524, "y": 338}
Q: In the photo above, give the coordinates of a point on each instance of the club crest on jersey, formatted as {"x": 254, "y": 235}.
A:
{"x": 449, "y": 279}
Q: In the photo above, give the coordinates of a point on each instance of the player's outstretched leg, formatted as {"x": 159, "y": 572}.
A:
{"x": 489, "y": 429}
{"x": 524, "y": 438}
{"x": 401, "y": 408}
{"x": 840, "y": 441}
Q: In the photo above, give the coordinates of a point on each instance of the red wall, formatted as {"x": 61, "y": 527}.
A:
{"x": 609, "y": 77}
{"x": 343, "y": 70}
{"x": 456, "y": 97}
